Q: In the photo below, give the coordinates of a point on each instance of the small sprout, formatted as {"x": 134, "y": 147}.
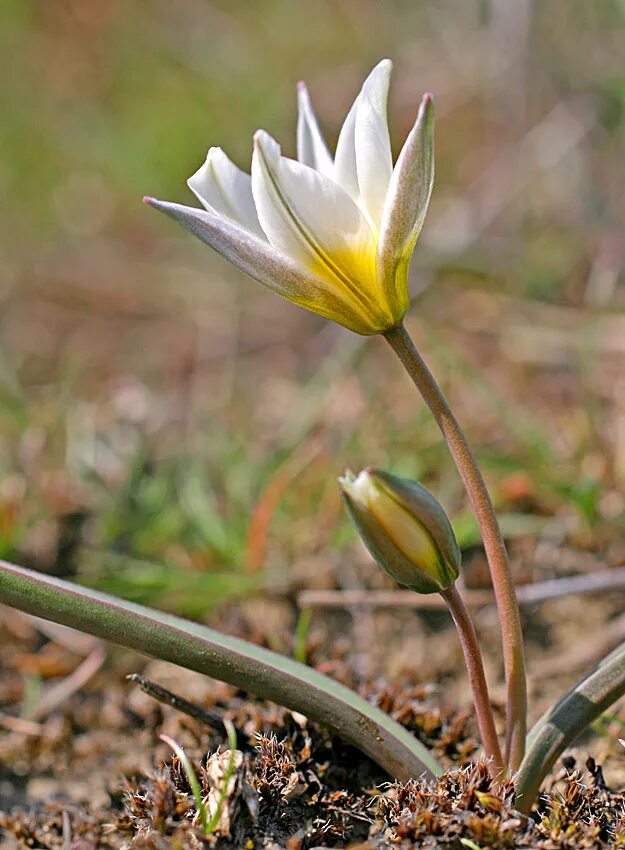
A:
{"x": 192, "y": 780}
{"x": 208, "y": 825}
{"x": 301, "y": 635}
{"x": 405, "y": 529}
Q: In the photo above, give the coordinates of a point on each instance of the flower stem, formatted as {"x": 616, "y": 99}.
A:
{"x": 503, "y": 585}
{"x": 477, "y": 678}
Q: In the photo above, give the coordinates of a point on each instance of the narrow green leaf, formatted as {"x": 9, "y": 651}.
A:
{"x": 559, "y": 727}
{"x": 225, "y": 783}
{"x": 193, "y": 782}
{"x": 196, "y": 647}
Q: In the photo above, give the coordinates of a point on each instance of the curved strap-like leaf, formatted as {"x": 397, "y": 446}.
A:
{"x": 559, "y": 727}
{"x": 229, "y": 659}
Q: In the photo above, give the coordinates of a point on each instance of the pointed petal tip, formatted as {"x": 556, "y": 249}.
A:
{"x": 346, "y": 480}
{"x": 379, "y": 74}
{"x": 260, "y": 137}
{"x": 214, "y": 156}
{"x": 426, "y": 109}
{"x": 155, "y": 204}
{"x": 303, "y": 97}
{"x": 267, "y": 145}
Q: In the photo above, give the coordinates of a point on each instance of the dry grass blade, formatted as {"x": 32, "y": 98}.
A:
{"x": 55, "y": 695}
{"x": 21, "y": 725}
{"x": 166, "y": 697}
{"x": 228, "y": 774}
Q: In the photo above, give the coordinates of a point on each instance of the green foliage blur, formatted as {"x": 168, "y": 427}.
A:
{"x": 170, "y": 431}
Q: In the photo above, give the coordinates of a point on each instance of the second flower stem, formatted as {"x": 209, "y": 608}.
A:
{"x": 503, "y": 585}
{"x": 477, "y": 678}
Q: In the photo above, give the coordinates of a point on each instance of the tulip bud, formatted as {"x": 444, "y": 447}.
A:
{"x": 404, "y": 528}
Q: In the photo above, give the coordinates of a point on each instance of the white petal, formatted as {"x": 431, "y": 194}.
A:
{"x": 374, "y": 161}
{"x": 265, "y": 263}
{"x": 223, "y": 188}
{"x": 409, "y": 190}
{"x": 345, "y": 171}
{"x": 313, "y": 220}
{"x": 254, "y": 256}
{"x": 311, "y": 148}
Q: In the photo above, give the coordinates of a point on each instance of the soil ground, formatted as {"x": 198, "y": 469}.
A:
{"x": 88, "y": 769}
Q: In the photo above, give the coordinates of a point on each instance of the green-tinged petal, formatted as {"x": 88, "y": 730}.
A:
{"x": 406, "y": 205}
{"x": 270, "y": 266}
{"x": 311, "y": 147}
{"x": 312, "y": 219}
{"x": 223, "y": 188}
{"x": 372, "y": 142}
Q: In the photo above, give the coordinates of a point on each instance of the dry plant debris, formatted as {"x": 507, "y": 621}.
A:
{"x": 282, "y": 799}
{"x": 295, "y": 787}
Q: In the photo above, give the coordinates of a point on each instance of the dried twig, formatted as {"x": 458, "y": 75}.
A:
{"x": 55, "y": 695}
{"x": 162, "y": 695}
{"x": 21, "y": 725}
{"x": 527, "y": 594}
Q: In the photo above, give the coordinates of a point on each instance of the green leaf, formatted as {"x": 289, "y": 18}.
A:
{"x": 196, "y": 647}
{"x": 559, "y": 727}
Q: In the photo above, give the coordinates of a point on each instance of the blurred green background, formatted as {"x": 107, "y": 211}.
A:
{"x": 171, "y": 431}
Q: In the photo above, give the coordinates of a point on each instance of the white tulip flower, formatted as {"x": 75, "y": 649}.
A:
{"x": 334, "y": 235}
